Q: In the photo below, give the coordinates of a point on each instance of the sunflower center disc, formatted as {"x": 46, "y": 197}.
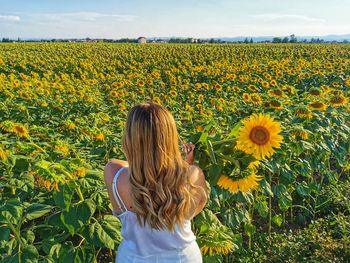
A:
{"x": 259, "y": 135}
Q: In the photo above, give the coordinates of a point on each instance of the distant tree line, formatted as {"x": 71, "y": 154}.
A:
{"x": 290, "y": 39}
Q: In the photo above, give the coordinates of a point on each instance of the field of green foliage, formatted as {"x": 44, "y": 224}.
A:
{"x": 271, "y": 124}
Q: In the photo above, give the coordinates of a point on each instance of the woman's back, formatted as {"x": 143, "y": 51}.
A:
{"x": 158, "y": 193}
{"x": 145, "y": 244}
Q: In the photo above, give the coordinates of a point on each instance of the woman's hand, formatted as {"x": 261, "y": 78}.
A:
{"x": 189, "y": 151}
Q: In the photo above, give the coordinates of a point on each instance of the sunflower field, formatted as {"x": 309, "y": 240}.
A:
{"x": 271, "y": 124}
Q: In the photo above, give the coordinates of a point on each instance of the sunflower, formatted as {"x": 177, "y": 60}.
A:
{"x": 265, "y": 84}
{"x": 338, "y": 101}
{"x": 303, "y": 112}
{"x": 254, "y": 165}
{"x": 253, "y": 88}
{"x": 199, "y": 128}
{"x": 63, "y": 149}
{"x": 114, "y": 94}
{"x": 236, "y": 89}
{"x": 140, "y": 83}
{"x": 336, "y": 84}
{"x": 173, "y": 93}
{"x": 275, "y": 93}
{"x": 80, "y": 172}
{"x": 219, "y": 107}
{"x": 7, "y": 126}
{"x": 45, "y": 183}
{"x": 276, "y": 104}
{"x": 289, "y": 89}
{"x": 246, "y": 97}
{"x": 20, "y": 130}
{"x": 267, "y": 76}
{"x": 205, "y": 85}
{"x": 156, "y": 100}
{"x": 122, "y": 107}
{"x": 244, "y": 184}
{"x": 256, "y": 99}
{"x": 220, "y": 248}
{"x": 69, "y": 125}
{"x": 347, "y": 81}
{"x": 218, "y": 87}
{"x": 198, "y": 86}
{"x": 301, "y": 133}
{"x": 249, "y": 183}
{"x": 259, "y": 135}
{"x": 188, "y": 108}
{"x": 200, "y": 98}
{"x": 99, "y": 137}
{"x": 3, "y": 154}
{"x": 315, "y": 92}
{"x": 317, "y": 105}
{"x": 273, "y": 83}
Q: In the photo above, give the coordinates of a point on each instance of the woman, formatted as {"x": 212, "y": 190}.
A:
{"x": 155, "y": 193}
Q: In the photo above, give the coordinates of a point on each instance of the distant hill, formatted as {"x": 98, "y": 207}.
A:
{"x": 308, "y": 38}
{"x": 326, "y": 38}
{"x": 268, "y": 38}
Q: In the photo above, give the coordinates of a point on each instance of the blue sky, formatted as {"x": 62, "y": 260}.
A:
{"x": 184, "y": 18}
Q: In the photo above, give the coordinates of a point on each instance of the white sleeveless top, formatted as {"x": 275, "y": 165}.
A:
{"x": 145, "y": 244}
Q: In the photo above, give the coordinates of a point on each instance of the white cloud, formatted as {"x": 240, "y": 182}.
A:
{"x": 9, "y": 18}
{"x": 287, "y": 18}
{"x": 82, "y": 16}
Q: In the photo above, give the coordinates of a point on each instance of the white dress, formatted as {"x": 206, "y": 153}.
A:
{"x": 146, "y": 245}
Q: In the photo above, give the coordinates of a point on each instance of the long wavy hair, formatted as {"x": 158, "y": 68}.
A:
{"x": 157, "y": 172}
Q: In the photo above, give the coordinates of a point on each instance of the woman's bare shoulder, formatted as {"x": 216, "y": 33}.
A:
{"x": 112, "y": 167}
{"x": 196, "y": 176}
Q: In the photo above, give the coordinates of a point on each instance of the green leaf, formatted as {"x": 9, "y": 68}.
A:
{"x": 4, "y": 233}
{"x": 235, "y": 130}
{"x": 11, "y": 212}
{"x": 63, "y": 197}
{"x": 37, "y": 210}
{"x": 21, "y": 164}
{"x": 29, "y": 236}
{"x": 262, "y": 208}
{"x": 203, "y": 139}
{"x": 249, "y": 229}
{"x": 211, "y": 152}
{"x": 78, "y": 215}
{"x": 91, "y": 179}
{"x": 277, "y": 219}
{"x": 85, "y": 254}
{"x": 285, "y": 201}
{"x": 62, "y": 253}
{"x": 203, "y": 228}
{"x": 279, "y": 189}
{"x": 303, "y": 189}
{"x": 266, "y": 187}
{"x": 105, "y": 233}
{"x": 214, "y": 173}
{"x": 30, "y": 254}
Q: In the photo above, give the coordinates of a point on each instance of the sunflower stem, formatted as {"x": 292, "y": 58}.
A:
{"x": 222, "y": 141}
{"x": 270, "y": 207}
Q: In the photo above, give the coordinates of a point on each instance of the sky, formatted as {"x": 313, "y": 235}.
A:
{"x": 181, "y": 18}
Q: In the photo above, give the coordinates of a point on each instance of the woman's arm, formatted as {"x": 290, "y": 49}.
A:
{"x": 198, "y": 179}
{"x": 189, "y": 151}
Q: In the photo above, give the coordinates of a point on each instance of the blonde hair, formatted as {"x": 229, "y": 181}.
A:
{"x": 158, "y": 174}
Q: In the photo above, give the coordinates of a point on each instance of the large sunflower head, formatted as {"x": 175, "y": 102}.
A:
{"x": 303, "y": 112}
{"x": 20, "y": 130}
{"x": 338, "y": 100}
{"x": 259, "y": 136}
{"x": 317, "y": 105}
